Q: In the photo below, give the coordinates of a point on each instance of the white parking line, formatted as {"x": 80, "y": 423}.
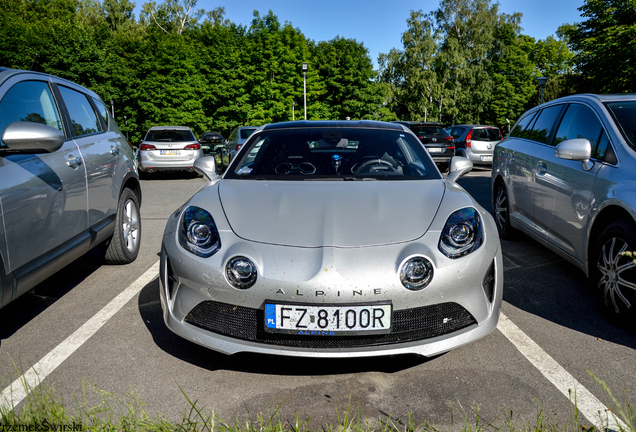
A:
{"x": 588, "y": 405}
{"x": 17, "y": 391}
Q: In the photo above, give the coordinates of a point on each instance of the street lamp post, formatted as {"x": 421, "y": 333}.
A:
{"x": 293, "y": 110}
{"x": 542, "y": 81}
{"x": 304, "y": 69}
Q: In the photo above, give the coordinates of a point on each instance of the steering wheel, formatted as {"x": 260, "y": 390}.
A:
{"x": 358, "y": 170}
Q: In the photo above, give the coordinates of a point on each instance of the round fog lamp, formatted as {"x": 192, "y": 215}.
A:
{"x": 241, "y": 272}
{"x": 416, "y": 273}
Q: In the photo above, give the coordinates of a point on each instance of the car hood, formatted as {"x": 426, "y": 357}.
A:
{"x": 330, "y": 213}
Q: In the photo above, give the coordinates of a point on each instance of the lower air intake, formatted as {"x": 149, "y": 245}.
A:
{"x": 408, "y": 325}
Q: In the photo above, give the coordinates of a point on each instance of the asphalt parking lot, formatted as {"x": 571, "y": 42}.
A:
{"x": 101, "y": 326}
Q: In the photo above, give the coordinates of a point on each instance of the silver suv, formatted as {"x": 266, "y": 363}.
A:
{"x": 565, "y": 177}
{"x": 67, "y": 181}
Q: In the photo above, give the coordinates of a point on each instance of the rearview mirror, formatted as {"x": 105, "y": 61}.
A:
{"x": 577, "y": 149}
{"x": 206, "y": 165}
{"x": 459, "y": 166}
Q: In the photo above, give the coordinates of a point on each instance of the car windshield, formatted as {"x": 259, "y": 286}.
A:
{"x": 624, "y": 114}
{"x": 170, "y": 135}
{"x": 333, "y": 153}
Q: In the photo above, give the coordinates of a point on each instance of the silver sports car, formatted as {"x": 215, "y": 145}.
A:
{"x": 331, "y": 239}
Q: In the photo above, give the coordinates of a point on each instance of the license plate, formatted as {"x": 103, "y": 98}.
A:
{"x": 486, "y": 158}
{"x": 341, "y": 320}
{"x": 436, "y": 150}
{"x": 170, "y": 152}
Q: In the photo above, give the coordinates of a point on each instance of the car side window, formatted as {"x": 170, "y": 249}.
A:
{"x": 29, "y": 101}
{"x": 83, "y": 117}
{"x": 580, "y": 122}
{"x": 544, "y": 126}
{"x": 520, "y": 128}
{"x": 102, "y": 110}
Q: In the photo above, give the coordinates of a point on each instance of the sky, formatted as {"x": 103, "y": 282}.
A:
{"x": 379, "y": 24}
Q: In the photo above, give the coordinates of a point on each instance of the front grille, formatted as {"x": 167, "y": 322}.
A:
{"x": 408, "y": 325}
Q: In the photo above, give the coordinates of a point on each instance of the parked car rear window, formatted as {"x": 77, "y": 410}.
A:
{"x": 488, "y": 134}
{"x": 245, "y": 133}
{"x": 417, "y": 130}
{"x": 163, "y": 135}
{"x": 624, "y": 114}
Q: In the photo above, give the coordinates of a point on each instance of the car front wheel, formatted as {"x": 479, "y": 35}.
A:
{"x": 123, "y": 247}
{"x": 615, "y": 271}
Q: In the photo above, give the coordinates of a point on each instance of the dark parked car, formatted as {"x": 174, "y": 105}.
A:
{"x": 476, "y": 142}
{"x": 213, "y": 144}
{"x": 67, "y": 181}
{"x": 436, "y": 139}
{"x": 565, "y": 176}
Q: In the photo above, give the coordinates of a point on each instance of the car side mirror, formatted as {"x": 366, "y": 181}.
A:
{"x": 459, "y": 166}
{"x": 577, "y": 149}
{"x": 29, "y": 137}
{"x": 206, "y": 165}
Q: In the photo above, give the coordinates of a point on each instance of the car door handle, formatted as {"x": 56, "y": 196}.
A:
{"x": 541, "y": 168}
{"x": 74, "y": 162}
{"x": 114, "y": 150}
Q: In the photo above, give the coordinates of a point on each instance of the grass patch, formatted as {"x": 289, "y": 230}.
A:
{"x": 97, "y": 410}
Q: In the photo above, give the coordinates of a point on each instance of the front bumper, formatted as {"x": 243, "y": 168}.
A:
{"x": 455, "y": 309}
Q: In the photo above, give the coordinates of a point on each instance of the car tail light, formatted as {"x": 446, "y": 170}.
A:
{"x": 237, "y": 147}
{"x": 500, "y": 134}
{"x": 147, "y": 147}
{"x": 469, "y": 138}
{"x": 192, "y": 147}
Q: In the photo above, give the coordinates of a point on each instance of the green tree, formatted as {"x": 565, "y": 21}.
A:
{"x": 604, "y": 45}
{"x": 415, "y": 93}
{"x": 513, "y": 73}
{"x": 347, "y": 71}
{"x": 552, "y": 57}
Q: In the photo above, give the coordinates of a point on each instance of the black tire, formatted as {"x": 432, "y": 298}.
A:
{"x": 501, "y": 208}
{"x": 614, "y": 272}
{"x": 444, "y": 167}
{"x": 123, "y": 246}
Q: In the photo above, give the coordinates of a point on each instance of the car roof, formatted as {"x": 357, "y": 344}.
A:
{"x": 417, "y": 123}
{"x": 349, "y": 124}
{"x": 169, "y": 128}
{"x": 6, "y": 73}
{"x": 474, "y": 126}
{"x": 593, "y": 98}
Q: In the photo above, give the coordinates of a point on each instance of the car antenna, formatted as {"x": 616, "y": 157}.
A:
{"x": 33, "y": 62}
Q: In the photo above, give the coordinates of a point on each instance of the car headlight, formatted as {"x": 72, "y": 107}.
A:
{"x": 198, "y": 233}
{"x": 462, "y": 234}
{"x": 241, "y": 272}
{"x": 416, "y": 273}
